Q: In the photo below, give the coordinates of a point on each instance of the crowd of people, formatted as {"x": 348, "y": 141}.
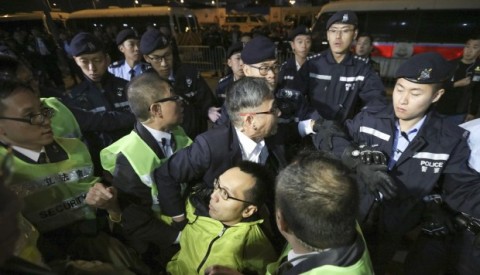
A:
{"x": 305, "y": 167}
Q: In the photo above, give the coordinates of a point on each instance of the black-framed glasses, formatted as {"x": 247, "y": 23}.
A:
{"x": 160, "y": 58}
{"x": 224, "y": 194}
{"x": 171, "y": 98}
{"x": 263, "y": 70}
{"x": 35, "y": 119}
{"x": 273, "y": 111}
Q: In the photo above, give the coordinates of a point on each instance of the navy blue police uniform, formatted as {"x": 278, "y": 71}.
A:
{"x": 121, "y": 68}
{"x": 87, "y": 95}
{"x": 434, "y": 163}
{"x": 287, "y": 76}
{"x": 187, "y": 83}
{"x": 226, "y": 81}
{"x": 334, "y": 89}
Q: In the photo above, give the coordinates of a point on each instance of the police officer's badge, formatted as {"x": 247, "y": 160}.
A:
{"x": 119, "y": 91}
{"x": 189, "y": 82}
{"x": 425, "y": 74}
{"x": 345, "y": 17}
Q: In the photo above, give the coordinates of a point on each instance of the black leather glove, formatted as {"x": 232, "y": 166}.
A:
{"x": 378, "y": 181}
{"x": 327, "y": 129}
{"x": 370, "y": 165}
{"x": 436, "y": 220}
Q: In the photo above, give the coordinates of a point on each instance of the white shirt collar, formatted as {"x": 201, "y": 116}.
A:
{"x": 250, "y": 149}
{"x": 31, "y": 154}
{"x": 157, "y": 134}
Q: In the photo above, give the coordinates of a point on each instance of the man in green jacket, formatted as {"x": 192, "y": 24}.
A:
{"x": 227, "y": 228}
{"x": 316, "y": 204}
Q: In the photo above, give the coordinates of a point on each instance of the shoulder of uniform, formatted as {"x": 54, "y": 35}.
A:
{"x": 117, "y": 64}
{"x": 314, "y": 56}
{"x": 225, "y": 78}
{"x": 359, "y": 58}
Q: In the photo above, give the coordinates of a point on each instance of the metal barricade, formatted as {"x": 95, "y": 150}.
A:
{"x": 204, "y": 58}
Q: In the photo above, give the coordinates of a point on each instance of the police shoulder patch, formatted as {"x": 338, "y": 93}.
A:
{"x": 314, "y": 56}
{"x": 117, "y": 64}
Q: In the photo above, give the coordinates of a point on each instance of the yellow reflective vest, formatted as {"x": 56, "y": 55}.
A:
{"x": 53, "y": 194}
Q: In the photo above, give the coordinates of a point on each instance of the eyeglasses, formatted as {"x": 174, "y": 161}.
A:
{"x": 172, "y": 98}
{"x": 263, "y": 70}
{"x": 224, "y": 194}
{"x": 273, "y": 111}
{"x": 340, "y": 31}
{"x": 160, "y": 58}
{"x": 35, "y": 119}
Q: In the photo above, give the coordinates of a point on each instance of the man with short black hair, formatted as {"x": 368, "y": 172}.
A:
{"x": 231, "y": 213}
{"x": 335, "y": 80}
{"x": 186, "y": 81}
{"x": 128, "y": 44}
{"x": 100, "y": 91}
{"x": 316, "y": 205}
{"x": 235, "y": 64}
{"x": 364, "y": 48}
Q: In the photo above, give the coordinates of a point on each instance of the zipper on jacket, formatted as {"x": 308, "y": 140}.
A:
{"x": 210, "y": 248}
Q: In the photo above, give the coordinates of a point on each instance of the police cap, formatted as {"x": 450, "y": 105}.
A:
{"x": 300, "y": 30}
{"x": 85, "y": 43}
{"x": 259, "y": 49}
{"x": 125, "y": 35}
{"x": 153, "y": 40}
{"x": 344, "y": 17}
{"x": 425, "y": 68}
{"x": 234, "y": 48}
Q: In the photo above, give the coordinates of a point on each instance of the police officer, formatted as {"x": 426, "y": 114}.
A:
{"x": 427, "y": 160}
{"x": 462, "y": 93}
{"x": 235, "y": 63}
{"x": 335, "y": 79}
{"x": 300, "y": 42}
{"x": 185, "y": 79}
{"x": 128, "y": 43}
{"x": 99, "y": 92}
{"x": 363, "y": 49}
{"x": 72, "y": 120}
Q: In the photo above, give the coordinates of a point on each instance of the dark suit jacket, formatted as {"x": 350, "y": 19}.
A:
{"x": 139, "y": 226}
{"x": 211, "y": 154}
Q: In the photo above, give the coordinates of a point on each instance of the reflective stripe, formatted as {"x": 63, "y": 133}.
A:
{"x": 322, "y": 77}
{"x": 98, "y": 109}
{"x": 352, "y": 78}
{"x": 374, "y": 132}
{"x": 432, "y": 156}
{"x": 121, "y": 104}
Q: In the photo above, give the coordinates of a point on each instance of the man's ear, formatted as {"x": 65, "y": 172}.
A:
{"x": 281, "y": 224}
{"x": 355, "y": 34}
{"x": 438, "y": 95}
{"x": 156, "y": 110}
{"x": 249, "y": 211}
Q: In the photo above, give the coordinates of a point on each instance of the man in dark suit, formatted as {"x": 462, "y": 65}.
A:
{"x": 132, "y": 159}
{"x": 253, "y": 114}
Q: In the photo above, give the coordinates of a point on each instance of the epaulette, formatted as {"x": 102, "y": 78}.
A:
{"x": 360, "y": 58}
{"x": 224, "y": 78}
{"x": 314, "y": 56}
{"x": 117, "y": 64}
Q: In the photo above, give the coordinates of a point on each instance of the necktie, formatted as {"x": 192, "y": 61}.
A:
{"x": 42, "y": 158}
{"x": 168, "y": 146}
{"x": 132, "y": 74}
